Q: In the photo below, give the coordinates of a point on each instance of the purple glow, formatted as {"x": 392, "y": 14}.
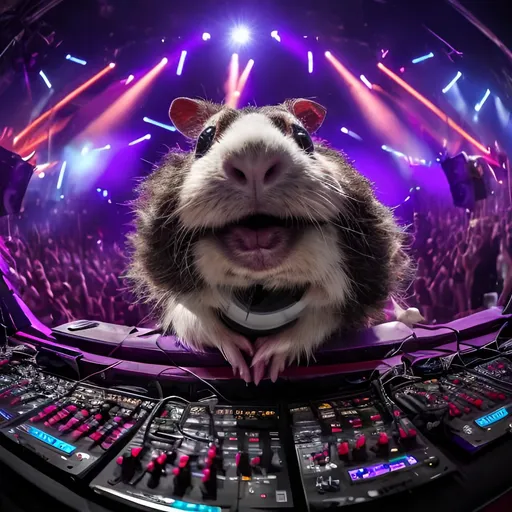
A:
{"x": 164, "y": 61}
{"x": 310, "y": 62}
{"x": 206, "y": 36}
{"x": 129, "y": 79}
{"x": 105, "y": 193}
{"x": 384, "y": 53}
{"x": 366, "y": 82}
{"x": 181, "y": 62}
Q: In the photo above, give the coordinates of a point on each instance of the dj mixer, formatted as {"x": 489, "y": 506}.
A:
{"x": 24, "y": 388}
{"x": 370, "y": 440}
{"x": 205, "y": 456}
{"x": 354, "y": 449}
{"x": 73, "y": 432}
{"x": 472, "y": 406}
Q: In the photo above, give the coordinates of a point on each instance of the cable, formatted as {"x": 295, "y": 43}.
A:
{"x": 154, "y": 412}
{"x": 211, "y": 386}
{"x": 117, "y": 363}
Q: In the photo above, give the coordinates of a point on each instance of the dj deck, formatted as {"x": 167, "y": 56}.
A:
{"x": 96, "y": 416}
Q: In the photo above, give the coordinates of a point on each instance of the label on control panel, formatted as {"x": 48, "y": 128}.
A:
{"x": 493, "y": 417}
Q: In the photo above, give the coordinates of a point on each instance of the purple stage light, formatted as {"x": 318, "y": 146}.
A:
{"x": 164, "y": 61}
{"x": 62, "y": 196}
{"x": 327, "y": 54}
{"x": 384, "y": 53}
{"x": 105, "y": 193}
{"x": 344, "y": 130}
{"x": 452, "y": 83}
{"x": 140, "y": 139}
{"x": 240, "y": 35}
{"x": 85, "y": 150}
{"x": 99, "y": 190}
{"x": 45, "y": 78}
{"x": 275, "y": 35}
{"x": 41, "y": 175}
{"x": 366, "y": 82}
{"x": 206, "y": 36}
{"x": 77, "y": 61}
{"x": 129, "y": 79}
{"x": 181, "y": 62}
{"x": 480, "y": 104}
{"x": 422, "y": 58}
{"x": 310, "y": 62}
{"x": 61, "y": 175}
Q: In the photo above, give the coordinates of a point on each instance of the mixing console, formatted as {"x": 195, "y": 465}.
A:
{"x": 203, "y": 458}
{"x": 353, "y": 449}
{"x": 474, "y": 409}
{"x": 24, "y": 388}
{"x": 73, "y": 432}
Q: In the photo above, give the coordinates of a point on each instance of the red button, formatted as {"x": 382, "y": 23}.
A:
{"x": 360, "y": 442}
{"x": 119, "y": 460}
{"x": 151, "y": 466}
{"x": 343, "y": 448}
{"x": 161, "y": 459}
{"x": 383, "y": 438}
{"x": 136, "y": 451}
{"x": 206, "y": 475}
{"x": 176, "y": 471}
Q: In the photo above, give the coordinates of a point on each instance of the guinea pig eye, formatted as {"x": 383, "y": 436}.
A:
{"x": 302, "y": 138}
{"x": 205, "y": 141}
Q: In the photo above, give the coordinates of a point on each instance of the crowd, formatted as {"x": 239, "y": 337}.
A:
{"x": 67, "y": 261}
{"x": 464, "y": 262}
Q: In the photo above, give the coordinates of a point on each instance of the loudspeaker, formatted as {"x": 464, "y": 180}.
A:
{"x": 470, "y": 178}
{"x": 15, "y": 176}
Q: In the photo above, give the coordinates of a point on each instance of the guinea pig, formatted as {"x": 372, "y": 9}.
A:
{"x": 257, "y": 202}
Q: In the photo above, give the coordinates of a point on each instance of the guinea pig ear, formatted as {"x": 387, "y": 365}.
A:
{"x": 310, "y": 113}
{"x": 189, "y": 116}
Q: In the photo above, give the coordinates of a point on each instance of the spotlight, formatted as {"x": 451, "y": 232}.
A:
{"x": 422, "y": 58}
{"x": 275, "y": 35}
{"x": 85, "y": 150}
{"x": 98, "y": 190}
{"x": 109, "y": 201}
{"x": 164, "y": 61}
{"x": 104, "y": 148}
{"x": 206, "y": 36}
{"x": 62, "y": 196}
{"x": 385, "y": 148}
{"x": 45, "y": 78}
{"x": 75, "y": 60}
{"x": 310, "y": 62}
{"x": 366, "y": 82}
{"x": 452, "y": 83}
{"x": 41, "y": 175}
{"x": 240, "y": 35}
{"x": 105, "y": 193}
{"x": 327, "y": 54}
{"x": 480, "y": 104}
{"x": 161, "y": 125}
{"x": 140, "y": 139}
{"x": 181, "y": 62}
{"x": 129, "y": 79}
{"x": 61, "y": 175}
{"x": 344, "y": 130}
{"x": 112, "y": 65}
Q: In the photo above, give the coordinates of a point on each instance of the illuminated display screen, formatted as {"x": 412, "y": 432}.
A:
{"x": 194, "y": 507}
{"x": 491, "y": 418}
{"x": 50, "y": 440}
{"x": 381, "y": 469}
{"x": 251, "y": 414}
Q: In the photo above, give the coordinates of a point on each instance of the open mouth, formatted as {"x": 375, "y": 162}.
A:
{"x": 259, "y": 242}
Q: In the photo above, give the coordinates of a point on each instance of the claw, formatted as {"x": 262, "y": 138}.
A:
{"x": 236, "y": 360}
{"x": 258, "y": 371}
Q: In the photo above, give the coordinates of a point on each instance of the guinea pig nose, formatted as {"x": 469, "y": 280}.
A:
{"x": 249, "y": 174}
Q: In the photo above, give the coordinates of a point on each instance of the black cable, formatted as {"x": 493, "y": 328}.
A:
{"x": 211, "y": 386}
{"x": 154, "y": 412}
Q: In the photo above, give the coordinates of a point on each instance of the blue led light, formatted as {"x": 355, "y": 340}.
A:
{"x": 6, "y": 415}
{"x": 194, "y": 507}
{"x": 52, "y": 441}
{"x": 493, "y": 417}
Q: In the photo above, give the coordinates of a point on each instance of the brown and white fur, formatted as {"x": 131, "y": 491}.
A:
{"x": 188, "y": 244}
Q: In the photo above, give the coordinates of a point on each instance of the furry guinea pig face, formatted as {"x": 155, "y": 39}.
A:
{"x": 258, "y": 201}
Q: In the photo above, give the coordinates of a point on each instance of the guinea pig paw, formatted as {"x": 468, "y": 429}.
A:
{"x": 232, "y": 350}
{"x": 271, "y": 353}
